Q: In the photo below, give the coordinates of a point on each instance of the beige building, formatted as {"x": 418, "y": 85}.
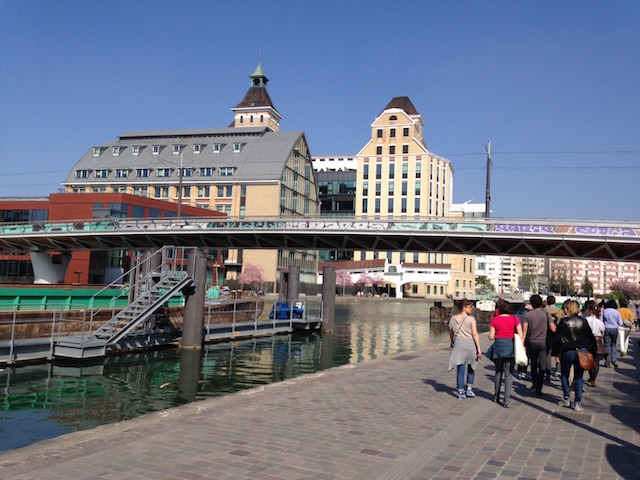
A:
{"x": 399, "y": 178}
{"x": 250, "y": 169}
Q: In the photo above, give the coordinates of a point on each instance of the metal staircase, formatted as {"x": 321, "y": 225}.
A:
{"x": 132, "y": 326}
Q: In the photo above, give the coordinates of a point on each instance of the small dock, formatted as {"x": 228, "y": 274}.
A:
{"x": 224, "y": 321}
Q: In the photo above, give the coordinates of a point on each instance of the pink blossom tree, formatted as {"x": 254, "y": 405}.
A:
{"x": 625, "y": 289}
{"x": 252, "y": 275}
{"x": 343, "y": 279}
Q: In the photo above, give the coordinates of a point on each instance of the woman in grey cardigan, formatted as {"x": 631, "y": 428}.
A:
{"x": 465, "y": 342}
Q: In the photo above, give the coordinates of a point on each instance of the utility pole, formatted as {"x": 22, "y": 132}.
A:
{"x": 180, "y": 187}
{"x": 487, "y": 204}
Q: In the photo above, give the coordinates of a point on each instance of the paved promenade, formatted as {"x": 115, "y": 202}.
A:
{"x": 392, "y": 418}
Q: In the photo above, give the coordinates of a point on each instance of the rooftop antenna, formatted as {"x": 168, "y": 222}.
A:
{"x": 487, "y": 203}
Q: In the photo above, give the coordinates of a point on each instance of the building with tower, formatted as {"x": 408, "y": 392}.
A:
{"x": 249, "y": 169}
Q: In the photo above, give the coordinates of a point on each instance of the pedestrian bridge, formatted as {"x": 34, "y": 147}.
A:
{"x": 602, "y": 240}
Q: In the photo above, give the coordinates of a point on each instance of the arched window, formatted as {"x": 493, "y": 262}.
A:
{"x": 393, "y": 118}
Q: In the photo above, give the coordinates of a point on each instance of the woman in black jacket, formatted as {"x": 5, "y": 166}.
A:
{"x": 573, "y": 333}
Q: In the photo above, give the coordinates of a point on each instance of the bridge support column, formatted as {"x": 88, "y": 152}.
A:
{"x": 328, "y": 298}
{"x": 293, "y": 284}
{"x": 193, "y": 321}
{"x": 49, "y": 269}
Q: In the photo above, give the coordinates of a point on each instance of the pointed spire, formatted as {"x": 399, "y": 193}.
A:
{"x": 258, "y": 78}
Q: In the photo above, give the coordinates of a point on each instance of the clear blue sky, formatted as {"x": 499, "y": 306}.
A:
{"x": 554, "y": 85}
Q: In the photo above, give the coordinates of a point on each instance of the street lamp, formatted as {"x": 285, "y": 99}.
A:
{"x": 180, "y": 172}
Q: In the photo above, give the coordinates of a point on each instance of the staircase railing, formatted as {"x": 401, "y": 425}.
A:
{"x": 139, "y": 278}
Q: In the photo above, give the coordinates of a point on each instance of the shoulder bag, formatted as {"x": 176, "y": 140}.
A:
{"x": 586, "y": 359}
{"x": 520, "y": 353}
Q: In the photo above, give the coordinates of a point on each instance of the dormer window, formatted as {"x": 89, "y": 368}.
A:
{"x": 196, "y": 148}
{"x": 96, "y": 151}
{"x": 225, "y": 171}
{"x": 176, "y": 149}
{"x": 237, "y": 147}
{"x": 103, "y": 173}
{"x": 82, "y": 173}
{"x": 156, "y": 149}
{"x": 116, "y": 151}
{"x": 135, "y": 150}
{"x": 216, "y": 148}
{"x": 164, "y": 172}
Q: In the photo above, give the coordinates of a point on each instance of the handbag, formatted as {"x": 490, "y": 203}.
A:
{"x": 520, "y": 353}
{"x": 602, "y": 350}
{"x": 586, "y": 360}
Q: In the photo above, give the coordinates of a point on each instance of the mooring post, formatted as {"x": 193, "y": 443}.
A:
{"x": 293, "y": 284}
{"x": 193, "y": 319}
{"x": 328, "y": 298}
{"x": 189, "y": 374}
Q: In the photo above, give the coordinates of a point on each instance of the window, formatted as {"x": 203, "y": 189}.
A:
{"x": 203, "y": 192}
{"x": 416, "y": 206}
{"x": 196, "y": 149}
{"x": 405, "y": 186}
{"x": 82, "y": 173}
{"x": 236, "y": 147}
{"x": 135, "y": 150}
{"x": 417, "y": 188}
{"x": 176, "y": 149}
{"x": 378, "y": 188}
{"x": 116, "y": 151}
{"x": 379, "y": 171}
{"x": 122, "y": 173}
{"x": 142, "y": 172}
{"x": 225, "y": 171}
{"x": 206, "y": 171}
{"x": 365, "y": 171}
{"x": 96, "y": 151}
{"x": 186, "y": 172}
{"x": 241, "y": 119}
{"x": 379, "y": 134}
{"x": 416, "y": 257}
{"x": 365, "y": 189}
{"x": 418, "y": 170}
{"x": 224, "y": 191}
{"x": 405, "y": 170}
{"x": 251, "y": 119}
{"x": 392, "y": 133}
{"x": 379, "y": 150}
{"x": 216, "y": 148}
{"x": 186, "y": 192}
{"x": 403, "y": 206}
{"x": 156, "y": 149}
{"x": 261, "y": 118}
{"x": 405, "y": 149}
{"x": 392, "y": 170}
{"x": 104, "y": 173}
{"x": 392, "y": 149}
{"x": 377, "y": 205}
{"x": 414, "y": 289}
{"x": 390, "y": 205}
{"x": 393, "y": 118}
{"x": 391, "y": 187}
{"x": 164, "y": 172}
{"x": 365, "y": 205}
{"x": 405, "y": 132}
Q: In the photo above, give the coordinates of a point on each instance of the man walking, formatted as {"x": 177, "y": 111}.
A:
{"x": 535, "y": 325}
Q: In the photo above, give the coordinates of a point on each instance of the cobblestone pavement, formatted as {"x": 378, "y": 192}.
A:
{"x": 395, "y": 417}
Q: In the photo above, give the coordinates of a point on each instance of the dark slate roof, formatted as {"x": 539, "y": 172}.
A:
{"x": 256, "y": 97}
{"x": 402, "y": 103}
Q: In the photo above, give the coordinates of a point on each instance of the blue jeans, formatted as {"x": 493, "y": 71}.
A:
{"x": 569, "y": 358}
{"x": 470, "y": 376}
{"x": 610, "y": 340}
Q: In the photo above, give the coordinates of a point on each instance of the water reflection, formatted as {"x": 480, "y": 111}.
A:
{"x": 44, "y": 401}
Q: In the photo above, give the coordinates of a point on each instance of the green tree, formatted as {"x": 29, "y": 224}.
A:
{"x": 587, "y": 287}
{"x": 484, "y": 283}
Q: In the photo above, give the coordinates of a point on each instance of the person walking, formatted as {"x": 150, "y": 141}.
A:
{"x": 574, "y": 334}
{"x": 637, "y": 315}
{"x": 536, "y": 322}
{"x": 625, "y": 330}
{"x": 590, "y": 312}
{"x": 502, "y": 329}
{"x": 612, "y": 319}
{"x": 465, "y": 342}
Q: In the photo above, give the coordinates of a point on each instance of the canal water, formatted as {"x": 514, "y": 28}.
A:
{"x": 43, "y": 401}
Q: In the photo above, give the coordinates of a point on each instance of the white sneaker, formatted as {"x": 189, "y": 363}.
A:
{"x": 577, "y": 407}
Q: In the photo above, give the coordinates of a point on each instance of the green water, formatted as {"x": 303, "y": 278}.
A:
{"x": 38, "y": 402}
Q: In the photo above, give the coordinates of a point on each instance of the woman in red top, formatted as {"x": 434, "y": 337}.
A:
{"x": 503, "y": 327}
